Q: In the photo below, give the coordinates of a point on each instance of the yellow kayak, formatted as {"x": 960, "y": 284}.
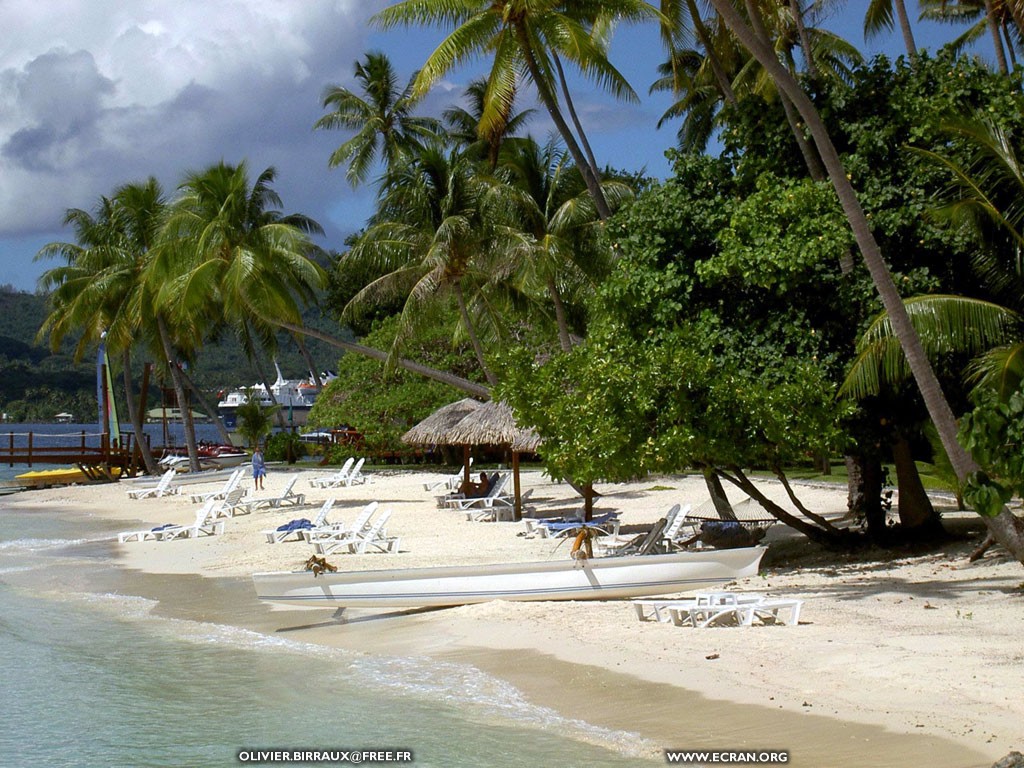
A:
{"x": 61, "y": 476}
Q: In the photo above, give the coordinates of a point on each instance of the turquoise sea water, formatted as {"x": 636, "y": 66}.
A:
{"x": 94, "y": 675}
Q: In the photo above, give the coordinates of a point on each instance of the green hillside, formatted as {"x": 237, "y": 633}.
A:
{"x": 36, "y": 383}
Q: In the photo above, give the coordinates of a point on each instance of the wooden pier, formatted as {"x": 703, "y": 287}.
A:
{"x": 90, "y": 452}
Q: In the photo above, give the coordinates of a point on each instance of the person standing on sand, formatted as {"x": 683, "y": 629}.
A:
{"x": 259, "y": 468}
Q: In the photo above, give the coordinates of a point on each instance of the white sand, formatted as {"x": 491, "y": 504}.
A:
{"x": 923, "y": 645}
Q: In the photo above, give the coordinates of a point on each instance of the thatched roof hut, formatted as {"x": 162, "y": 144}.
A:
{"x": 527, "y": 441}
{"x": 490, "y": 424}
{"x": 436, "y": 429}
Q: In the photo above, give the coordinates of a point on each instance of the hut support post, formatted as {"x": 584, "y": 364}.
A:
{"x": 515, "y": 481}
{"x": 465, "y": 463}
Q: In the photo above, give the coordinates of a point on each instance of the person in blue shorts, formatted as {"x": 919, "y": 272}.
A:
{"x": 259, "y": 468}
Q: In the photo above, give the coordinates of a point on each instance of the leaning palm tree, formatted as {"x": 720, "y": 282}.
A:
{"x": 879, "y": 18}
{"x": 427, "y": 241}
{"x": 1004, "y": 526}
{"x": 382, "y": 118}
{"x": 232, "y": 258}
{"x": 526, "y": 38}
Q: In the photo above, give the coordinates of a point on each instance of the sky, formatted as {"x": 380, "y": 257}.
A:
{"x": 99, "y": 93}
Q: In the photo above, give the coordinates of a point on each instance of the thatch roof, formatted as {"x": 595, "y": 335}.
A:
{"x": 490, "y": 424}
{"x": 437, "y": 427}
{"x": 528, "y": 441}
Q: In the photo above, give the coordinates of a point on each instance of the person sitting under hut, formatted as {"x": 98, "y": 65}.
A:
{"x": 472, "y": 490}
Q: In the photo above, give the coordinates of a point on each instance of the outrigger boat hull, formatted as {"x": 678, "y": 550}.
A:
{"x": 592, "y": 579}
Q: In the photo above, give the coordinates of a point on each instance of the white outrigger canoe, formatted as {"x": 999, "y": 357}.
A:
{"x": 602, "y": 578}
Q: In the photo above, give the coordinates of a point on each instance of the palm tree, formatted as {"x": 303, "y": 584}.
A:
{"x": 232, "y": 258}
{"x": 998, "y": 17}
{"x": 427, "y": 240}
{"x": 99, "y": 290}
{"x": 382, "y": 118}
{"x": 545, "y": 226}
{"x": 879, "y": 18}
{"x": 986, "y": 199}
{"x": 1005, "y": 527}
{"x": 523, "y": 37}
{"x": 465, "y": 125}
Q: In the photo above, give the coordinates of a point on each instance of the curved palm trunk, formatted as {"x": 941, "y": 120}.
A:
{"x": 914, "y": 506}
{"x": 700, "y": 28}
{"x": 210, "y": 410}
{"x": 310, "y": 363}
{"x": 811, "y": 159}
{"x": 906, "y": 30}
{"x": 997, "y": 40}
{"x": 1005, "y": 528}
{"x": 592, "y": 181}
{"x": 136, "y": 416}
{"x": 464, "y": 385}
{"x": 796, "y": 8}
{"x": 560, "y": 318}
{"x": 478, "y": 348}
{"x": 179, "y": 394}
{"x": 575, "y": 118}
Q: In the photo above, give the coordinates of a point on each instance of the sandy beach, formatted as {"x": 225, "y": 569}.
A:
{"x": 899, "y": 658}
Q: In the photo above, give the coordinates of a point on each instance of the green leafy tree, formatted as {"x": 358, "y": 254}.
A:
{"x": 255, "y": 421}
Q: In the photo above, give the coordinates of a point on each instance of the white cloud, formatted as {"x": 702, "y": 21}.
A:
{"x": 95, "y": 93}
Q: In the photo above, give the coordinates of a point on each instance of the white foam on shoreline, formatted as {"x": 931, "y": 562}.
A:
{"x": 475, "y": 695}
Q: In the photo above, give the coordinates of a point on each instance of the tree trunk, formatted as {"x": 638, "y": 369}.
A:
{"x": 310, "y": 363}
{"x": 136, "y": 416}
{"x": 864, "y": 492}
{"x": 591, "y": 160}
{"x": 796, "y": 8}
{"x": 209, "y": 409}
{"x": 717, "y": 492}
{"x": 906, "y": 31}
{"x": 700, "y": 28}
{"x": 1006, "y": 528}
{"x": 548, "y": 98}
{"x": 478, "y": 348}
{"x": 812, "y": 532}
{"x": 179, "y": 394}
{"x": 913, "y": 504}
{"x": 997, "y": 40}
{"x": 560, "y": 318}
{"x": 457, "y": 382}
{"x": 811, "y": 159}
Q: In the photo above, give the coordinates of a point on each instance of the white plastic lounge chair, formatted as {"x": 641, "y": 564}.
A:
{"x": 610, "y": 546}
{"x": 286, "y": 497}
{"x": 229, "y": 485}
{"x": 339, "y": 530}
{"x": 493, "y": 497}
{"x": 375, "y": 537}
{"x": 708, "y": 608}
{"x": 232, "y": 505}
{"x": 451, "y": 482}
{"x": 162, "y": 488}
{"x": 360, "y": 541}
{"x": 332, "y": 481}
{"x": 204, "y": 524}
{"x": 356, "y": 476}
{"x": 294, "y": 528}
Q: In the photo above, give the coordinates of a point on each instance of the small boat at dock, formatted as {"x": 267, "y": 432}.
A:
{"x": 602, "y": 578}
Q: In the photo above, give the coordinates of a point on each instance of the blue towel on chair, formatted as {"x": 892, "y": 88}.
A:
{"x": 164, "y": 527}
{"x": 295, "y": 525}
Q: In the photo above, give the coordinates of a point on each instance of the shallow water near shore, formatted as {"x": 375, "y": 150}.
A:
{"x": 105, "y": 666}
{"x": 101, "y": 678}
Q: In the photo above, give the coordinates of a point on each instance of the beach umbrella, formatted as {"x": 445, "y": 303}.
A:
{"x": 437, "y": 427}
{"x": 494, "y": 424}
